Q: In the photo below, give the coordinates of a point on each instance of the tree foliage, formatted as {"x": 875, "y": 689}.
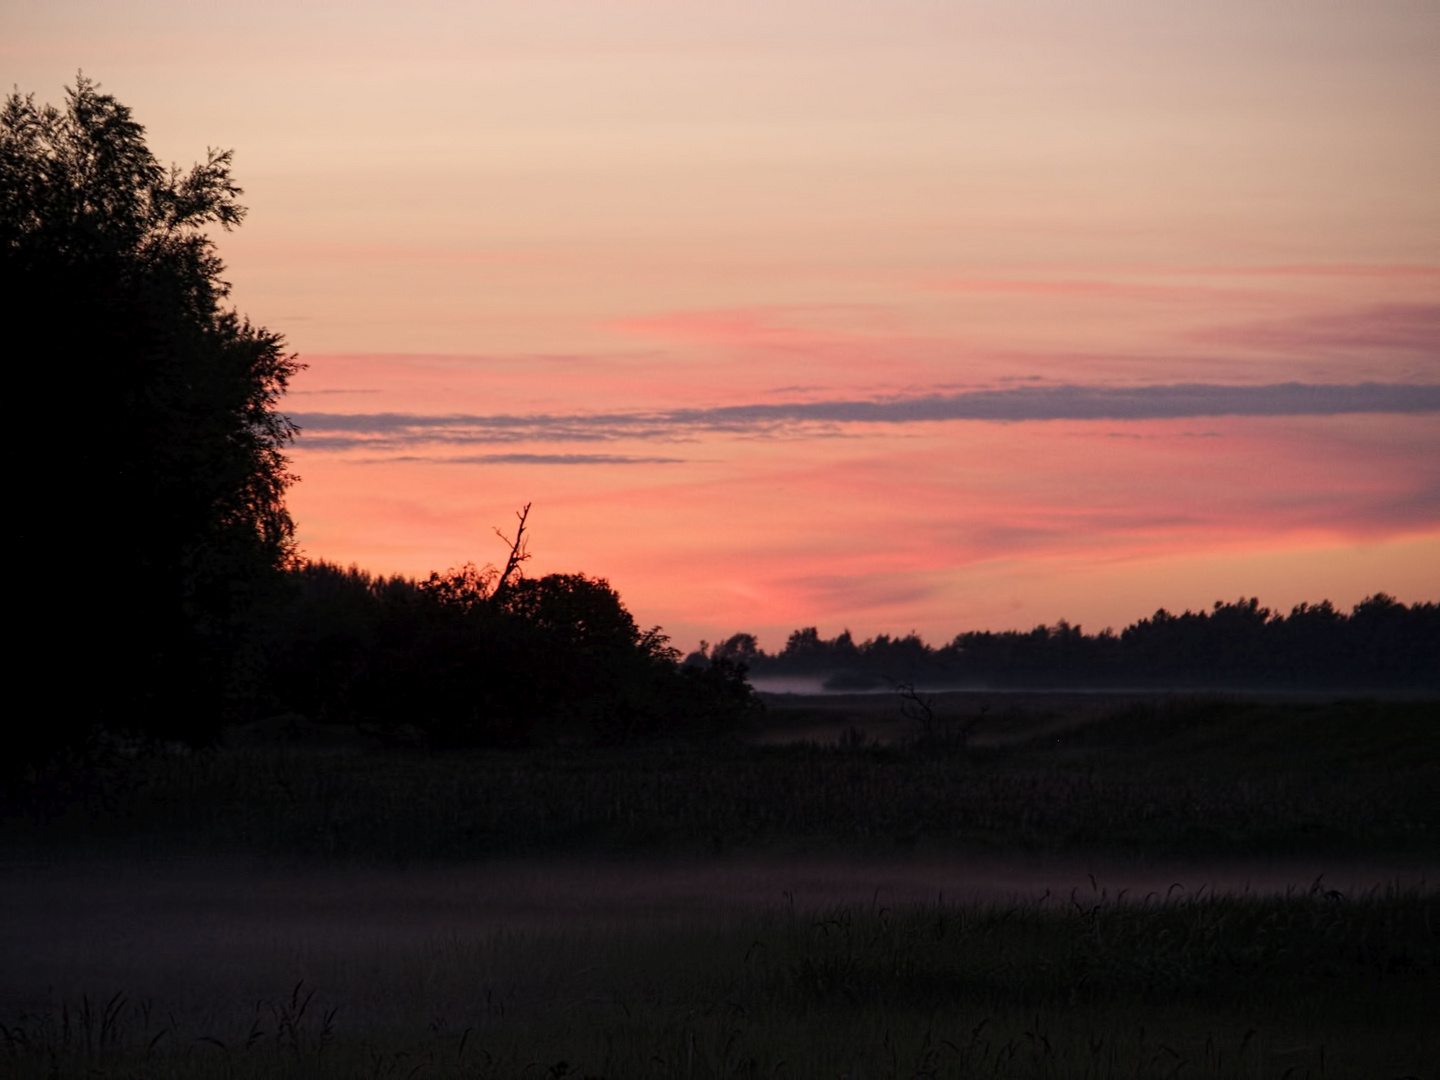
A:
{"x": 1380, "y": 644}
{"x": 148, "y": 413}
{"x": 552, "y": 658}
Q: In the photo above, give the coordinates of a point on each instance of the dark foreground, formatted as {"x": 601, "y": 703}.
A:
{"x": 1207, "y": 889}
{"x": 551, "y": 969}
{"x": 1145, "y": 778}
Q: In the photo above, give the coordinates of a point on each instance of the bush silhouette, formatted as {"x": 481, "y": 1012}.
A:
{"x": 555, "y": 657}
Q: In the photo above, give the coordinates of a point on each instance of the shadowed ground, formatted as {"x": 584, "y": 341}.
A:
{"x": 150, "y": 926}
{"x": 1200, "y": 888}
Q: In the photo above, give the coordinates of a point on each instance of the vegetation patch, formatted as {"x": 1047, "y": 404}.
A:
{"x": 1171, "y": 779}
{"x": 1309, "y": 984}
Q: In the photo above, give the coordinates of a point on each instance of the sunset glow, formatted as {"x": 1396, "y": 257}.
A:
{"x": 889, "y": 316}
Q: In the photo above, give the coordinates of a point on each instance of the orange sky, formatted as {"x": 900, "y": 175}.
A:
{"x": 529, "y": 250}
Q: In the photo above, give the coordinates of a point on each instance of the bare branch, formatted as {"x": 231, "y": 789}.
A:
{"x": 518, "y": 552}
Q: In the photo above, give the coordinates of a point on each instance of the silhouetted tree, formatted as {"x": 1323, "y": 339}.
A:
{"x": 1381, "y": 644}
{"x": 147, "y": 464}
{"x": 555, "y": 657}
{"x": 738, "y": 649}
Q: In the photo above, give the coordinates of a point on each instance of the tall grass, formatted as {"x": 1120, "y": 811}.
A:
{"x": 1085, "y": 985}
{"x": 1308, "y": 984}
{"x": 1194, "y": 778}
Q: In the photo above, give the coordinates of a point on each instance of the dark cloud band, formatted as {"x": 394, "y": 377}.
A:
{"x": 393, "y": 431}
{"x": 534, "y": 459}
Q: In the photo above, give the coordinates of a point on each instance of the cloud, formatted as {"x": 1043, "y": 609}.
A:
{"x": 733, "y": 326}
{"x": 1340, "y": 270}
{"x": 1393, "y": 327}
{"x": 298, "y": 393}
{"x": 385, "y": 254}
{"x": 398, "y": 431}
{"x": 536, "y": 459}
{"x": 1089, "y": 289}
{"x": 829, "y": 593}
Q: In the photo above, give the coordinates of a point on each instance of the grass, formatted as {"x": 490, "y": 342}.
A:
{"x": 1292, "y": 986}
{"x": 1307, "y": 984}
{"x": 1178, "y": 779}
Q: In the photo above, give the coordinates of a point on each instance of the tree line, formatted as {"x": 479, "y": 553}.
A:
{"x": 1380, "y": 644}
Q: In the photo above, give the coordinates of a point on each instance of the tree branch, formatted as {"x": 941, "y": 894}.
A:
{"x": 518, "y": 552}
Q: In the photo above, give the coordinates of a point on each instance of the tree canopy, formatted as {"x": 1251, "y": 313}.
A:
{"x": 1380, "y": 645}
{"x": 467, "y": 664}
{"x": 151, "y": 494}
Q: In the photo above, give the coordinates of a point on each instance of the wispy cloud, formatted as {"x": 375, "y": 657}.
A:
{"x": 300, "y": 393}
{"x": 1090, "y": 289}
{"x": 1322, "y": 270}
{"x": 398, "y": 431}
{"x": 770, "y": 325}
{"x": 1403, "y": 327}
{"x": 855, "y": 594}
{"x": 535, "y": 459}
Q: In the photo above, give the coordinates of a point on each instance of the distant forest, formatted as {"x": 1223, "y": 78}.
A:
{"x": 1380, "y": 645}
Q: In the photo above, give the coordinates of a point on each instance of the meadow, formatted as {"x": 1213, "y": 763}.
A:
{"x": 1157, "y": 778}
{"x": 1067, "y": 887}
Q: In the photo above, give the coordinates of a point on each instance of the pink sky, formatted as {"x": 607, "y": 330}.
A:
{"x": 580, "y": 228}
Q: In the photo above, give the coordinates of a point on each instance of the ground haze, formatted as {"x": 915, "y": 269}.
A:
{"x": 1075, "y": 886}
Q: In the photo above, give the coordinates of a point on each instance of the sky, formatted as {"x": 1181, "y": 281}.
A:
{"x": 914, "y": 315}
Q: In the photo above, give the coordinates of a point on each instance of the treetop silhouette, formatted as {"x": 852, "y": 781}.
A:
{"x": 149, "y": 412}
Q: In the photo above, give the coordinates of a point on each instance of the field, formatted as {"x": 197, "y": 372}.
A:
{"x": 1077, "y": 886}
